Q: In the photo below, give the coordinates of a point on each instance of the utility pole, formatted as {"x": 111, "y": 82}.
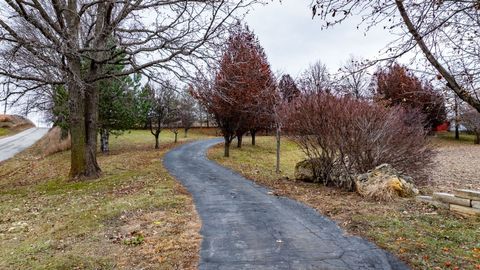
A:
{"x": 457, "y": 119}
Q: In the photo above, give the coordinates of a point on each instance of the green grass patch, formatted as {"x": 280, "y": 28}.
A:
{"x": 4, "y": 132}
{"x": 449, "y": 137}
{"x": 261, "y": 159}
{"x": 427, "y": 241}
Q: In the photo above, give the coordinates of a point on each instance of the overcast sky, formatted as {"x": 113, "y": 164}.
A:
{"x": 292, "y": 40}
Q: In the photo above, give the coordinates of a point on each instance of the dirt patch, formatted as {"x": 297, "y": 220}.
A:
{"x": 456, "y": 166}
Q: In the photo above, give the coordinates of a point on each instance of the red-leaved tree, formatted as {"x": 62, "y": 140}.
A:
{"x": 242, "y": 95}
{"x": 396, "y": 86}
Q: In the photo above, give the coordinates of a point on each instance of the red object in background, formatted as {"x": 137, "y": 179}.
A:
{"x": 442, "y": 127}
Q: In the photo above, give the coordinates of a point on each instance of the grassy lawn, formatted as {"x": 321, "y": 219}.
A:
{"x": 134, "y": 217}
{"x": 424, "y": 237}
{"x": 4, "y": 132}
{"x": 449, "y": 137}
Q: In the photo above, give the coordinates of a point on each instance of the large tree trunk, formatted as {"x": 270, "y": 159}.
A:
{"x": 83, "y": 101}
{"x": 186, "y": 131}
{"x": 104, "y": 138}
{"x": 91, "y": 119}
{"x": 78, "y": 161}
{"x": 253, "y": 133}
{"x": 477, "y": 138}
{"x": 176, "y": 137}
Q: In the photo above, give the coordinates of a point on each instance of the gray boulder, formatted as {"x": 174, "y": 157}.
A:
{"x": 304, "y": 171}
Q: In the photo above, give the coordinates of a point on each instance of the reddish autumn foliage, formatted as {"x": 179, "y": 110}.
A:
{"x": 396, "y": 86}
{"x": 243, "y": 94}
{"x": 344, "y": 137}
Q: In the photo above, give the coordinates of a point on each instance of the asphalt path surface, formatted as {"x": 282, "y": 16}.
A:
{"x": 245, "y": 227}
{"x": 12, "y": 145}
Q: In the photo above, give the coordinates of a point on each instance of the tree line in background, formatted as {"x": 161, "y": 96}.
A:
{"x": 85, "y": 65}
{"x": 80, "y": 45}
{"x": 125, "y": 104}
{"x": 347, "y": 123}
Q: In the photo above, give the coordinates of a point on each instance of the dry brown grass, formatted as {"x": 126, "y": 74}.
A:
{"x": 136, "y": 216}
{"x": 381, "y": 191}
{"x": 53, "y": 143}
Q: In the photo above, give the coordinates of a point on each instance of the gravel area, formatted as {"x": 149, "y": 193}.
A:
{"x": 456, "y": 166}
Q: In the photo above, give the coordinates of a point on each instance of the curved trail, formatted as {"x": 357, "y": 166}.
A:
{"x": 12, "y": 145}
{"x": 246, "y": 228}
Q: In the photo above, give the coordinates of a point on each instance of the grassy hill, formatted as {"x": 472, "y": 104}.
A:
{"x": 10, "y": 124}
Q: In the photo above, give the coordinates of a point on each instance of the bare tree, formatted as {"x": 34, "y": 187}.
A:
{"x": 447, "y": 33}
{"x": 164, "y": 111}
{"x": 353, "y": 79}
{"x": 343, "y": 137}
{"x": 187, "y": 109}
{"x": 69, "y": 43}
{"x": 315, "y": 79}
{"x": 471, "y": 120}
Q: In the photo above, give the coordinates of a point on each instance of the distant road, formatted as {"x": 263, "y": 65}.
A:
{"x": 12, "y": 145}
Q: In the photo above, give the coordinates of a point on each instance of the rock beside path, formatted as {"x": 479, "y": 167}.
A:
{"x": 385, "y": 183}
{"x": 304, "y": 171}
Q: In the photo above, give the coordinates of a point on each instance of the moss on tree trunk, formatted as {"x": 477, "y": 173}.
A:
{"x": 83, "y": 120}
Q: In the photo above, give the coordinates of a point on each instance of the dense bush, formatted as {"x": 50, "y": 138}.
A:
{"x": 345, "y": 137}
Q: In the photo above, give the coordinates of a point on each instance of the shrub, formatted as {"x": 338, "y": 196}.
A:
{"x": 345, "y": 137}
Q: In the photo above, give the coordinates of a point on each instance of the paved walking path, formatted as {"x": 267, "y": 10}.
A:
{"x": 246, "y": 228}
{"x": 12, "y": 145}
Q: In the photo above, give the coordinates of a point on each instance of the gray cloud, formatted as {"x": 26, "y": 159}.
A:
{"x": 292, "y": 40}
